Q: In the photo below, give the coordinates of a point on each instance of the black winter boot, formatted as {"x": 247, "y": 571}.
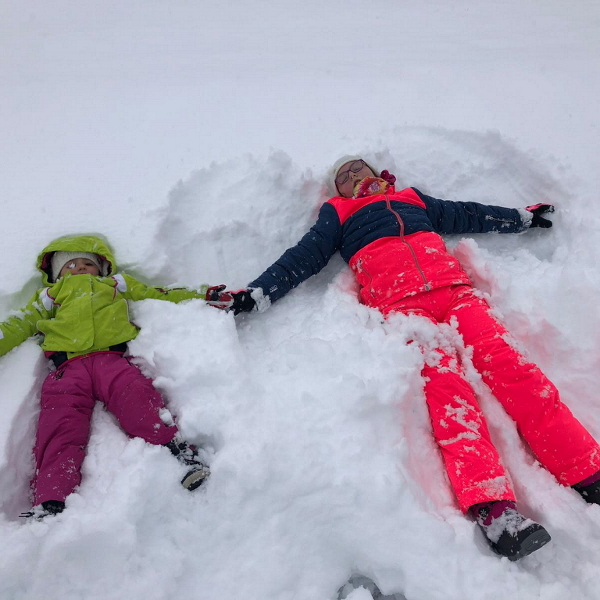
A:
{"x": 589, "y": 489}
{"x": 508, "y": 532}
{"x": 188, "y": 455}
{"x": 49, "y": 507}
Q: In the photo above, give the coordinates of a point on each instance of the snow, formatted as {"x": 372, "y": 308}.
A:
{"x": 197, "y": 137}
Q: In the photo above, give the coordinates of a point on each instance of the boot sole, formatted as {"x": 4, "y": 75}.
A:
{"x": 531, "y": 543}
{"x": 193, "y": 481}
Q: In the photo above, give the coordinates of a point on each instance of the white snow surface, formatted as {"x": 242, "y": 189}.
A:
{"x": 197, "y": 137}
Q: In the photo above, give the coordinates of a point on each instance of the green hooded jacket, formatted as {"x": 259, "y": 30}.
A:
{"x": 79, "y": 314}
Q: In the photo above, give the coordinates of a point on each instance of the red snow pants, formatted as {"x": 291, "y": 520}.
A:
{"x": 67, "y": 401}
{"x": 558, "y": 440}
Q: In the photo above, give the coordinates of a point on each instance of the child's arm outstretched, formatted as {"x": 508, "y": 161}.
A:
{"x": 22, "y": 324}
{"x": 132, "y": 289}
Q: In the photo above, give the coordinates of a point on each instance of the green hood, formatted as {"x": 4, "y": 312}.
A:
{"x": 76, "y": 243}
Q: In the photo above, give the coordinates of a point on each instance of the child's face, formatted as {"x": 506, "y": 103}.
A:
{"x": 349, "y": 174}
{"x": 79, "y": 266}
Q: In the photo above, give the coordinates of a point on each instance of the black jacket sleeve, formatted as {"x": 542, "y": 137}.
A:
{"x": 450, "y": 217}
{"x": 303, "y": 260}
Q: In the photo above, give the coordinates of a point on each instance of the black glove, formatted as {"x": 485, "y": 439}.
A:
{"x": 242, "y": 302}
{"x": 239, "y": 301}
{"x": 537, "y": 210}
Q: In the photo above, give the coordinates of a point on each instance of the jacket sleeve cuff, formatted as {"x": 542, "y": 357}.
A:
{"x": 526, "y": 217}
{"x": 262, "y": 302}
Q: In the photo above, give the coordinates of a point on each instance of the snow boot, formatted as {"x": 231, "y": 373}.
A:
{"x": 49, "y": 507}
{"x": 508, "y": 532}
{"x": 589, "y": 489}
{"x": 358, "y": 581}
{"x": 188, "y": 455}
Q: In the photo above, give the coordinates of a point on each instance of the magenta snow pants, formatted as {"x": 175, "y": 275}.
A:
{"x": 558, "y": 440}
{"x": 67, "y": 402}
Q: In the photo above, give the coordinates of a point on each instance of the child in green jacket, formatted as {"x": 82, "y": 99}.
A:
{"x": 82, "y": 314}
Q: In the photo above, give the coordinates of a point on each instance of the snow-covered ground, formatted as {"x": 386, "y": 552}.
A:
{"x": 197, "y": 136}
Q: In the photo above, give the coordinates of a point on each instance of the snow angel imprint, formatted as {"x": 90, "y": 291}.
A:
{"x": 392, "y": 240}
{"x": 82, "y": 313}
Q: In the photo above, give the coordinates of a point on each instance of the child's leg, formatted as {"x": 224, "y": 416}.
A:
{"x": 131, "y": 397}
{"x": 472, "y": 462}
{"x": 136, "y": 404}
{"x": 63, "y": 432}
{"x": 557, "y": 438}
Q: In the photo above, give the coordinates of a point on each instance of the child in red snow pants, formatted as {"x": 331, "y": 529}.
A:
{"x": 558, "y": 440}
{"x": 67, "y": 402}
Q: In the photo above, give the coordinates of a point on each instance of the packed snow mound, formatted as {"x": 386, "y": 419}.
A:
{"x": 312, "y": 415}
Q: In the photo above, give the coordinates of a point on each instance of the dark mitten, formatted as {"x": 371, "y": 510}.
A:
{"x": 537, "y": 210}
{"x": 239, "y": 301}
{"x": 242, "y": 302}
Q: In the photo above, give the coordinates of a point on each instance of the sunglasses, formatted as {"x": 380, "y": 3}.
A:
{"x": 355, "y": 167}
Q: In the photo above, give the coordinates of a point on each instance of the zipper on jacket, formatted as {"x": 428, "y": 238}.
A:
{"x": 359, "y": 266}
{"x": 408, "y": 244}
{"x": 499, "y": 219}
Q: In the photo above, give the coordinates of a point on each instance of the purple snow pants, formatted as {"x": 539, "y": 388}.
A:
{"x": 67, "y": 402}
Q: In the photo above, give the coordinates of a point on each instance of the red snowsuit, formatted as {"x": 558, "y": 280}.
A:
{"x": 559, "y": 441}
{"x": 392, "y": 243}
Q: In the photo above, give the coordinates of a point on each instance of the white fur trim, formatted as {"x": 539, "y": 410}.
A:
{"x": 262, "y": 302}
{"x": 121, "y": 283}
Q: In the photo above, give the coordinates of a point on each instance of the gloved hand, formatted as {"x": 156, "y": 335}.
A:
{"x": 238, "y": 301}
{"x": 538, "y": 210}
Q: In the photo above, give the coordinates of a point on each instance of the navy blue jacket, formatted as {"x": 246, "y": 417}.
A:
{"x": 391, "y": 241}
